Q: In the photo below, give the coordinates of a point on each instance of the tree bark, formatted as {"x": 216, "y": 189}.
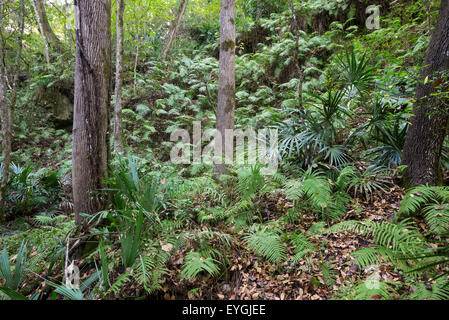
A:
{"x": 92, "y": 102}
{"x": 174, "y": 28}
{"x": 428, "y": 129}
{"x": 7, "y": 109}
{"x": 296, "y": 55}
{"x": 51, "y": 41}
{"x": 118, "y": 131}
{"x": 6, "y": 126}
{"x": 226, "y": 85}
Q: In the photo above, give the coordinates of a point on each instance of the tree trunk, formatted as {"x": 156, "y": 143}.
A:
{"x": 296, "y": 55}
{"x": 7, "y": 109}
{"x": 136, "y": 61}
{"x": 428, "y": 129}
{"x": 118, "y": 132}
{"x": 50, "y": 39}
{"x": 92, "y": 102}
{"x": 226, "y": 86}
{"x": 6, "y": 126}
{"x": 174, "y": 28}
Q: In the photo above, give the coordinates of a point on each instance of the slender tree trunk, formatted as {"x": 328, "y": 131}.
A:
{"x": 92, "y": 102}
{"x": 226, "y": 86}
{"x": 7, "y": 109}
{"x": 174, "y": 28}
{"x": 118, "y": 132}
{"x": 136, "y": 61}
{"x": 428, "y": 129}
{"x": 6, "y": 126}
{"x": 296, "y": 55}
{"x": 51, "y": 41}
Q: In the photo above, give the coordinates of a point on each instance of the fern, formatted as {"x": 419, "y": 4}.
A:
{"x": 394, "y": 242}
{"x": 250, "y": 182}
{"x": 303, "y": 247}
{"x": 150, "y": 271}
{"x": 117, "y": 286}
{"x": 416, "y": 198}
{"x": 196, "y": 263}
{"x": 436, "y": 291}
{"x": 319, "y": 191}
{"x": 432, "y": 202}
{"x": 437, "y": 218}
{"x": 267, "y": 243}
{"x": 381, "y": 290}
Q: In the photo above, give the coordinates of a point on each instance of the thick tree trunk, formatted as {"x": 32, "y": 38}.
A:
{"x": 50, "y": 39}
{"x": 428, "y": 129}
{"x": 92, "y": 102}
{"x": 7, "y": 109}
{"x": 118, "y": 132}
{"x": 226, "y": 86}
{"x": 174, "y": 28}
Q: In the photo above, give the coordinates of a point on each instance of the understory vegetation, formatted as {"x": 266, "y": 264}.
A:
{"x": 334, "y": 222}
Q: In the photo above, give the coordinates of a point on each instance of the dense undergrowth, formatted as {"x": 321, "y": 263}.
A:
{"x": 332, "y": 223}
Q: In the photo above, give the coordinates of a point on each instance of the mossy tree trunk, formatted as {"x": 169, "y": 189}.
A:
{"x": 226, "y": 86}
{"x": 296, "y": 55}
{"x": 428, "y": 129}
{"x": 92, "y": 102}
{"x": 51, "y": 41}
{"x": 7, "y": 107}
{"x": 118, "y": 131}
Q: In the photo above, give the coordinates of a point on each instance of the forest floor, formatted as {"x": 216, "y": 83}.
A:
{"x": 250, "y": 277}
{"x": 253, "y": 278}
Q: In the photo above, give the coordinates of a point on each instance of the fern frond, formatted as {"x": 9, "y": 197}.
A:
{"x": 195, "y": 263}
{"x": 149, "y": 272}
{"x": 416, "y": 198}
{"x": 266, "y": 243}
{"x": 302, "y": 247}
{"x": 437, "y": 291}
{"x": 367, "y": 290}
{"x": 437, "y": 218}
{"x": 118, "y": 284}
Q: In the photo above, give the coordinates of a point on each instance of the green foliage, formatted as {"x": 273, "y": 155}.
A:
{"x": 393, "y": 242}
{"x": 131, "y": 238}
{"x": 367, "y": 290}
{"x": 355, "y": 111}
{"x": 76, "y": 293}
{"x": 326, "y": 198}
{"x": 29, "y": 191}
{"x": 134, "y": 187}
{"x": 266, "y": 242}
{"x": 366, "y": 183}
{"x": 356, "y": 72}
{"x": 48, "y": 241}
{"x": 196, "y": 263}
{"x": 250, "y": 182}
{"x": 392, "y": 139}
{"x": 303, "y": 247}
{"x": 13, "y": 279}
{"x": 432, "y": 203}
{"x": 437, "y": 291}
{"x": 150, "y": 269}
